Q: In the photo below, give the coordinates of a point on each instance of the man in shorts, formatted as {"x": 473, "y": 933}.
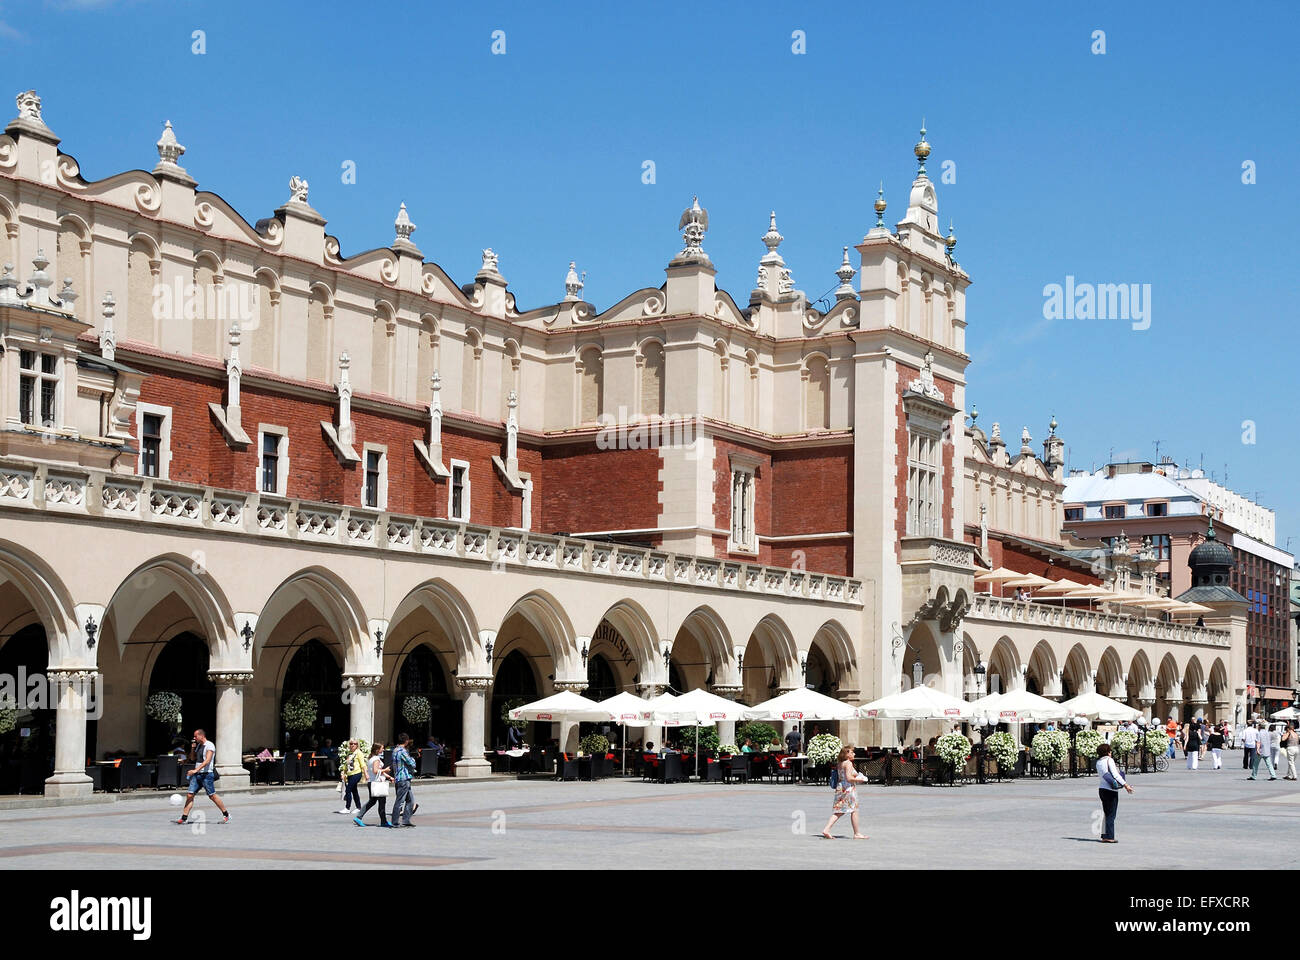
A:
{"x": 203, "y": 776}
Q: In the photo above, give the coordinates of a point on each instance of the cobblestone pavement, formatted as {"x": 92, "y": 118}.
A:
{"x": 1176, "y": 819}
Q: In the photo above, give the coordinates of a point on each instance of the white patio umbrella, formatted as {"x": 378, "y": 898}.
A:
{"x": 628, "y": 710}
{"x": 919, "y": 703}
{"x": 699, "y": 708}
{"x": 801, "y": 704}
{"x": 1094, "y": 706}
{"x": 1019, "y": 706}
{"x": 562, "y": 706}
{"x": 1289, "y": 713}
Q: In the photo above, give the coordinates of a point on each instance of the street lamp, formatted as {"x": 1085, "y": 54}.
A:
{"x": 980, "y": 671}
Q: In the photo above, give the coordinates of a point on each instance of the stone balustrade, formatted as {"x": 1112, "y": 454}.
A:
{"x": 126, "y": 498}
{"x": 1043, "y": 614}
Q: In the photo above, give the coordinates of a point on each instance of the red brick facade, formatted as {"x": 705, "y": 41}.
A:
{"x": 589, "y": 489}
{"x": 577, "y": 487}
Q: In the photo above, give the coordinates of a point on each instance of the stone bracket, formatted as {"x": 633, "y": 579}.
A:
{"x": 431, "y": 460}
{"x": 342, "y": 450}
{"x": 514, "y": 480}
{"x": 231, "y": 429}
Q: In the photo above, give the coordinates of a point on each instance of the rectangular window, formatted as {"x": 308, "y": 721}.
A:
{"x": 1160, "y": 545}
{"x": 38, "y": 388}
{"x": 374, "y": 492}
{"x": 1114, "y": 511}
{"x": 742, "y": 509}
{"x": 270, "y": 463}
{"x": 1073, "y": 513}
{"x": 1158, "y": 509}
{"x": 150, "y": 445}
{"x": 273, "y": 460}
{"x": 458, "y": 491}
{"x": 924, "y": 493}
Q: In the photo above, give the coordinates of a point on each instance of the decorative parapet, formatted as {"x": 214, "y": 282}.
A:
{"x": 78, "y": 491}
{"x": 1041, "y": 615}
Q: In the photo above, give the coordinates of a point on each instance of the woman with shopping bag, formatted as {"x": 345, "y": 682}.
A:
{"x": 379, "y": 777}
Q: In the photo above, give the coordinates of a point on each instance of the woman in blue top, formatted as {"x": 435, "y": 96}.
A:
{"x": 1112, "y": 781}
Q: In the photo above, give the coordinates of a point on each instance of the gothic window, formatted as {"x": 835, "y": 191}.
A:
{"x": 207, "y": 339}
{"x": 743, "y": 534}
{"x": 375, "y": 487}
{"x": 273, "y": 462}
{"x": 924, "y": 492}
{"x": 262, "y": 341}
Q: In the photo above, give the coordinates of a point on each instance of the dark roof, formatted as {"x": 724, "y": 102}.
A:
{"x": 1211, "y": 594}
{"x": 94, "y": 360}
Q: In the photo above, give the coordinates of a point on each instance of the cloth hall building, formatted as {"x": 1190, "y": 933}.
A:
{"x": 238, "y": 462}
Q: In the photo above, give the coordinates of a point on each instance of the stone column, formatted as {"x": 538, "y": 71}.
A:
{"x": 567, "y": 730}
{"x": 472, "y": 763}
{"x": 229, "y": 734}
{"x": 653, "y": 733}
{"x": 361, "y": 719}
{"x": 70, "y": 778}
{"x": 1147, "y": 706}
{"x": 727, "y": 728}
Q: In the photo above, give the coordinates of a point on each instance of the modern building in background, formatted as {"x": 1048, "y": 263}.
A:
{"x": 1174, "y": 507}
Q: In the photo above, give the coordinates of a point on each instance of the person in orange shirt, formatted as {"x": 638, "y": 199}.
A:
{"x": 1172, "y": 730}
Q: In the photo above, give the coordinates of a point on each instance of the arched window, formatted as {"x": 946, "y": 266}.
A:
{"x": 140, "y": 293}
{"x": 470, "y": 361}
{"x": 318, "y": 336}
{"x": 68, "y": 264}
{"x": 652, "y": 378}
{"x": 904, "y": 298}
{"x": 721, "y": 381}
{"x": 817, "y": 394}
{"x": 593, "y": 386}
{"x": 207, "y": 339}
{"x": 262, "y": 342}
{"x": 381, "y": 339}
{"x": 751, "y": 389}
{"x": 509, "y": 375}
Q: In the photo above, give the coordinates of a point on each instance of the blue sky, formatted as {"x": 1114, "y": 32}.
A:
{"x": 1117, "y": 168}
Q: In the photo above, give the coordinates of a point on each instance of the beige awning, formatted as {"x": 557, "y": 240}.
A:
{"x": 1029, "y": 580}
{"x": 1062, "y": 586}
{"x": 998, "y": 575}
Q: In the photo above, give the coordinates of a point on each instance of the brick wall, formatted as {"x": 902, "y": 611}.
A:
{"x": 587, "y": 489}
{"x": 200, "y": 454}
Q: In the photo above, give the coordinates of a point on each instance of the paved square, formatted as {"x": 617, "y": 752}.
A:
{"x": 1176, "y": 819}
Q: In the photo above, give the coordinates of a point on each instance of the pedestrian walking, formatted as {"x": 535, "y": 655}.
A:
{"x": 1291, "y": 744}
{"x": 846, "y": 793}
{"x": 1111, "y": 781}
{"x": 203, "y": 776}
{"x": 1192, "y": 745}
{"x": 1249, "y": 739}
{"x": 1215, "y": 745}
{"x": 403, "y": 770}
{"x": 1263, "y": 752}
{"x": 351, "y": 771}
{"x": 379, "y": 778}
{"x": 1275, "y": 738}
